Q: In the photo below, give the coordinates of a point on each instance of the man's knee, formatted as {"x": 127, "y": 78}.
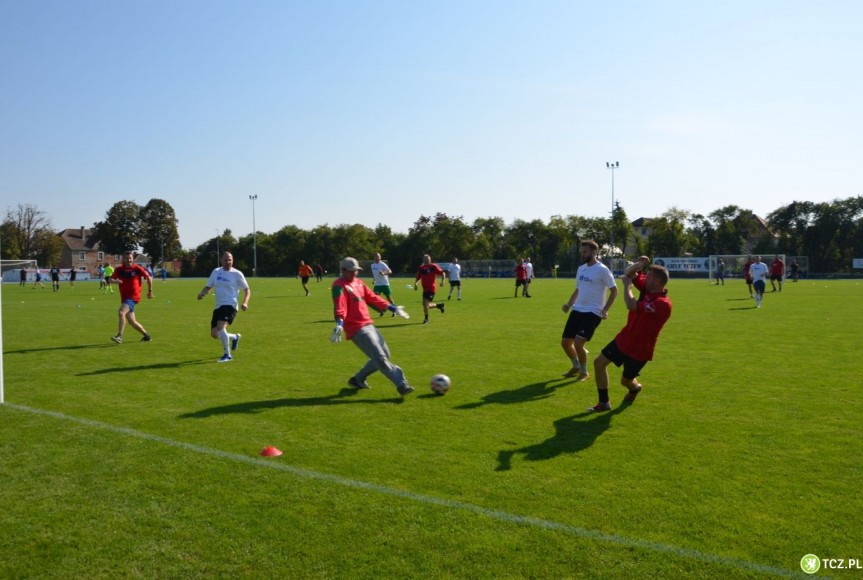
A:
{"x": 600, "y": 362}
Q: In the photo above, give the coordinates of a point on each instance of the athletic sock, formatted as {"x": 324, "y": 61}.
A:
{"x": 603, "y": 395}
{"x": 223, "y": 336}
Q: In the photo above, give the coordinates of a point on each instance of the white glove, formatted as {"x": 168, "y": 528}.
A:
{"x": 336, "y": 335}
{"x": 400, "y": 311}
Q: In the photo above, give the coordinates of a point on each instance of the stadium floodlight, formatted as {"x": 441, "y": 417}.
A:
{"x": 612, "y": 165}
{"x": 254, "y": 239}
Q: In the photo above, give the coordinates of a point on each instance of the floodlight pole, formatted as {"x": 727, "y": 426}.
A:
{"x": 612, "y": 165}
{"x": 254, "y": 238}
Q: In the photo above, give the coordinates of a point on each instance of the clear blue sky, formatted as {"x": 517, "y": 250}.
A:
{"x": 377, "y": 112}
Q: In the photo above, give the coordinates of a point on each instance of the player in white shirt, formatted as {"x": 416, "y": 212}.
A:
{"x": 227, "y": 282}
{"x": 525, "y": 291}
{"x": 381, "y": 273}
{"x": 758, "y": 272}
{"x": 454, "y": 275}
{"x": 587, "y": 307}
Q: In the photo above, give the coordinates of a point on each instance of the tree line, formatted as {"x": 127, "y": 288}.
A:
{"x": 830, "y": 233}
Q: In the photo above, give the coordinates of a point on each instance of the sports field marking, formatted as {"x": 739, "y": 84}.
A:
{"x": 420, "y": 498}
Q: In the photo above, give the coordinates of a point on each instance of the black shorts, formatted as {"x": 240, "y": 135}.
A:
{"x": 304, "y": 279}
{"x": 581, "y": 324}
{"x": 520, "y": 283}
{"x": 776, "y": 278}
{"x": 226, "y": 313}
{"x": 428, "y": 296}
{"x": 759, "y": 286}
{"x": 631, "y": 367}
{"x": 455, "y": 282}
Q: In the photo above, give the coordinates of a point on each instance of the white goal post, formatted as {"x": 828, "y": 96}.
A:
{"x": 10, "y": 270}
{"x": 734, "y": 264}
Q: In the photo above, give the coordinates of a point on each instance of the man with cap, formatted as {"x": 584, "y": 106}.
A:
{"x": 351, "y": 298}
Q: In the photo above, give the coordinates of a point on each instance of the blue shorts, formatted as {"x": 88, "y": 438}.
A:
{"x": 130, "y": 303}
{"x": 759, "y": 286}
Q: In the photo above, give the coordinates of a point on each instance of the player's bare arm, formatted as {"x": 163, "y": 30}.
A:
{"x": 248, "y": 294}
{"x": 570, "y": 302}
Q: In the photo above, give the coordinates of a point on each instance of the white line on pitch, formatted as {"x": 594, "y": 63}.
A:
{"x": 420, "y": 498}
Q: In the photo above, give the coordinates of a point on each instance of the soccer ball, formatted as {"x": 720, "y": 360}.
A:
{"x": 440, "y": 384}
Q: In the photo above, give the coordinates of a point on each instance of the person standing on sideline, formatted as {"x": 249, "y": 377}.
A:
{"x": 23, "y": 276}
{"x": 100, "y": 273}
{"x": 454, "y": 276}
{"x": 109, "y": 275}
{"x": 777, "y": 271}
{"x": 351, "y": 298}
{"x": 633, "y": 346}
{"x": 304, "y": 273}
{"x": 55, "y": 278}
{"x": 529, "y": 266}
{"x": 587, "y": 307}
{"x": 427, "y": 274}
{"x": 795, "y": 270}
{"x": 381, "y": 273}
{"x": 758, "y": 273}
{"x": 521, "y": 278}
{"x": 720, "y": 271}
{"x": 73, "y": 275}
{"x": 747, "y": 276}
{"x": 227, "y": 281}
{"x": 319, "y": 272}
{"x": 129, "y": 275}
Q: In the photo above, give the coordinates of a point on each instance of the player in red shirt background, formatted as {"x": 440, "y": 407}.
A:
{"x": 634, "y": 345}
{"x": 129, "y": 276}
{"x": 351, "y": 298}
{"x": 427, "y": 276}
{"x": 777, "y": 271}
{"x": 746, "y": 277}
{"x": 521, "y": 278}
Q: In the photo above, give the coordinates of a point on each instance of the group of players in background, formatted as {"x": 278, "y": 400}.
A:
{"x": 755, "y": 274}
{"x": 594, "y": 295}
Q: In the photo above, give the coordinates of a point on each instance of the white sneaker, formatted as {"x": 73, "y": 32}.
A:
{"x": 225, "y": 358}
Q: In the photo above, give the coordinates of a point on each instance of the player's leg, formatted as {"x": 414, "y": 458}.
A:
{"x": 369, "y": 340}
{"x": 121, "y": 323}
{"x": 130, "y": 316}
{"x": 581, "y": 352}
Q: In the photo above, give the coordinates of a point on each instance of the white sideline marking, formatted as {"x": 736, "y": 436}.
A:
{"x": 426, "y": 499}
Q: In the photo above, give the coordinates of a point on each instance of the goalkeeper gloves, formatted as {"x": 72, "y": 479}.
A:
{"x": 336, "y": 334}
{"x": 399, "y": 310}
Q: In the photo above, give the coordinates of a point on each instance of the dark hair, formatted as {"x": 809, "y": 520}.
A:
{"x": 590, "y": 244}
{"x": 660, "y": 272}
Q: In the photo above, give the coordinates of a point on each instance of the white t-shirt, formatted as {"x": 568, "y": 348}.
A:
{"x": 454, "y": 272}
{"x": 592, "y": 283}
{"x": 529, "y": 266}
{"x": 381, "y": 273}
{"x": 758, "y": 271}
{"x": 227, "y": 284}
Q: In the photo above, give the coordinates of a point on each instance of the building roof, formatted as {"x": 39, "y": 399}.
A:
{"x": 79, "y": 239}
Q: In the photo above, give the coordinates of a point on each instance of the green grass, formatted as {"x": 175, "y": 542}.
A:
{"x": 141, "y": 460}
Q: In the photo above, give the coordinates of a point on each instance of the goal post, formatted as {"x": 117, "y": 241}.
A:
{"x": 10, "y": 270}
{"x": 734, "y": 264}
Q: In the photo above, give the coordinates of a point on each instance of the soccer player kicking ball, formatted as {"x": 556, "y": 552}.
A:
{"x": 634, "y": 344}
{"x": 227, "y": 281}
{"x": 350, "y": 299}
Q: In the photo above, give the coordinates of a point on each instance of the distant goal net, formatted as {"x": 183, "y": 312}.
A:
{"x": 11, "y": 270}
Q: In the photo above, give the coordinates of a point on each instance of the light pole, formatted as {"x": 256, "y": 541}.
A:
{"x": 612, "y": 165}
{"x": 254, "y": 239}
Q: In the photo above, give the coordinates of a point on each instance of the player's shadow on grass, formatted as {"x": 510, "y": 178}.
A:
{"x": 70, "y": 347}
{"x": 571, "y": 436}
{"x": 152, "y": 367}
{"x": 752, "y": 307}
{"x": 250, "y": 407}
{"x": 525, "y": 394}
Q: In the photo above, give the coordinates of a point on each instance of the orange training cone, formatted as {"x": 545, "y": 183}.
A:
{"x": 271, "y": 452}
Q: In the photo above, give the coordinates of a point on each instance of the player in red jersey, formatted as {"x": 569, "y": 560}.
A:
{"x": 746, "y": 276}
{"x": 129, "y": 276}
{"x": 777, "y": 271}
{"x": 351, "y": 298}
{"x": 521, "y": 278}
{"x": 427, "y": 276}
{"x": 634, "y": 345}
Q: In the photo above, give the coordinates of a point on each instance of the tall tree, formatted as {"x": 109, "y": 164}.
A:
{"x": 159, "y": 229}
{"x": 122, "y": 229}
{"x": 24, "y": 232}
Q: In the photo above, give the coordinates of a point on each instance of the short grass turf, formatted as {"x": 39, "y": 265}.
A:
{"x": 741, "y": 455}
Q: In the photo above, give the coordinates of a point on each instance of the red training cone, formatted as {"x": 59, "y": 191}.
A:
{"x": 271, "y": 452}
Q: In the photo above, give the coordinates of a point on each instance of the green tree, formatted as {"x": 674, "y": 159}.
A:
{"x": 122, "y": 229}
{"x": 669, "y": 237}
{"x": 160, "y": 237}
{"x": 26, "y": 231}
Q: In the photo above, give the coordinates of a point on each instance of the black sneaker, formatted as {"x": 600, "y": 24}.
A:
{"x": 147, "y": 338}
{"x": 354, "y": 383}
{"x": 441, "y": 307}
{"x": 405, "y": 389}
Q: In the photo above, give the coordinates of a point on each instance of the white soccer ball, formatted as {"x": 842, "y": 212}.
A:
{"x": 440, "y": 384}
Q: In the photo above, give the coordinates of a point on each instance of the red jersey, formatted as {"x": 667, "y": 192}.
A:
{"x": 349, "y": 303}
{"x": 521, "y": 272}
{"x": 428, "y": 274}
{"x": 746, "y": 267}
{"x": 638, "y": 338}
{"x": 777, "y": 267}
{"x": 130, "y": 281}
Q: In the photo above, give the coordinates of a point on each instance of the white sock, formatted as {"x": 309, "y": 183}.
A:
{"x": 225, "y": 338}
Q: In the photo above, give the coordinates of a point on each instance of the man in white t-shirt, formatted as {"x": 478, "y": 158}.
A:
{"x": 758, "y": 272}
{"x": 227, "y": 281}
{"x": 454, "y": 275}
{"x": 381, "y": 273}
{"x": 587, "y": 307}
{"x": 529, "y": 267}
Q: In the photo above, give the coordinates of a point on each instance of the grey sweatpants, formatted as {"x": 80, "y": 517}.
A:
{"x": 370, "y": 341}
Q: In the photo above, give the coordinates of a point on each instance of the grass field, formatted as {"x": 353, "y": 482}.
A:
{"x": 743, "y": 453}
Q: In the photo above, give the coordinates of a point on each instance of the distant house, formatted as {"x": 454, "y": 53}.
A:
{"x": 81, "y": 251}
